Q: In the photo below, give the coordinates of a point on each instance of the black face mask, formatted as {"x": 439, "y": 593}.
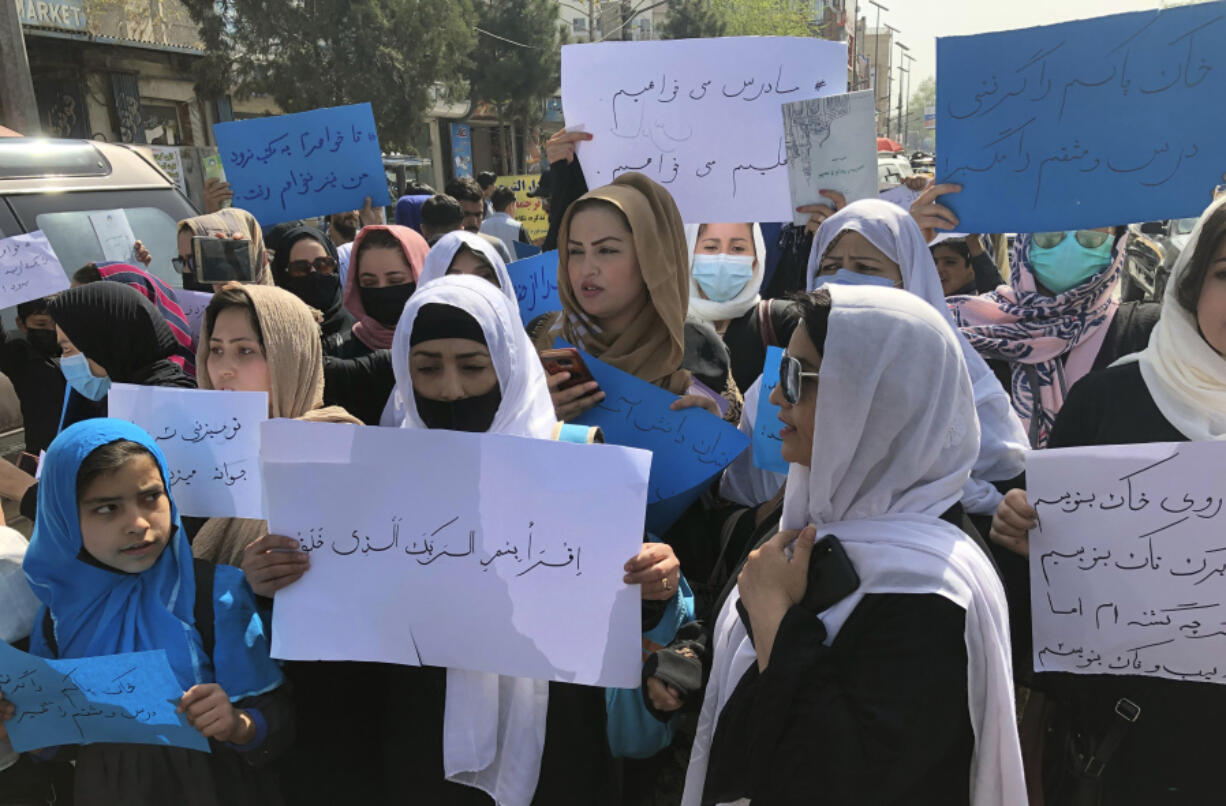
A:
{"x": 43, "y": 341}
{"x": 386, "y": 304}
{"x": 317, "y": 290}
{"x": 466, "y": 414}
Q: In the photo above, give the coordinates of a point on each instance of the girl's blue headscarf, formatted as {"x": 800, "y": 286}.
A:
{"x": 408, "y": 211}
{"x": 97, "y": 611}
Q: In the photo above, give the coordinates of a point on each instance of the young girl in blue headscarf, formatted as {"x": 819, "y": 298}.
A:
{"x": 113, "y": 569}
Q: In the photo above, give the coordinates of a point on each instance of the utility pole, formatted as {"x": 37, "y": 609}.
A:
{"x": 889, "y": 77}
{"x": 876, "y": 54}
{"x": 902, "y": 52}
{"x": 907, "y": 130}
{"x": 855, "y": 43}
{"x": 18, "y": 107}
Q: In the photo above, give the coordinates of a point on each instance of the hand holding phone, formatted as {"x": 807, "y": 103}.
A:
{"x": 566, "y": 359}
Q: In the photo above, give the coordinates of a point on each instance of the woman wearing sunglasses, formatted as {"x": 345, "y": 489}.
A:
{"x": 872, "y": 668}
{"x": 305, "y": 264}
{"x": 1172, "y": 391}
{"x": 1059, "y": 320}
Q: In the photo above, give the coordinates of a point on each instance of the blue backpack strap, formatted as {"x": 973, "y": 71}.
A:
{"x": 579, "y": 434}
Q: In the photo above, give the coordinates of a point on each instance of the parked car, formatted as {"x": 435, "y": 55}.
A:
{"x": 1152, "y": 250}
{"x": 54, "y": 186}
{"x": 892, "y": 168}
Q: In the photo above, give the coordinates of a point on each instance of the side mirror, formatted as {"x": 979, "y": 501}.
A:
{"x": 1153, "y": 228}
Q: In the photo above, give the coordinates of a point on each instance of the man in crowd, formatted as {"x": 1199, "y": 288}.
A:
{"x": 468, "y": 193}
{"x": 502, "y": 223}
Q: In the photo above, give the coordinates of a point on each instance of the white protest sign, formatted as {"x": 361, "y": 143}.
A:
{"x": 1128, "y": 564}
{"x": 211, "y": 440}
{"x": 29, "y": 269}
{"x": 700, "y": 116}
{"x": 114, "y": 233}
{"x": 832, "y": 145}
{"x": 507, "y": 557}
{"x": 193, "y": 303}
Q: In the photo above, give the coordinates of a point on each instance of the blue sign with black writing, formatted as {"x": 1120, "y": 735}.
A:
{"x": 767, "y": 444}
{"x": 291, "y": 167}
{"x": 1085, "y": 124}
{"x": 688, "y": 447}
{"x": 536, "y": 284}
{"x": 128, "y": 698}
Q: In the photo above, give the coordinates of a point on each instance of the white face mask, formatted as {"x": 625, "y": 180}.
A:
{"x": 721, "y": 277}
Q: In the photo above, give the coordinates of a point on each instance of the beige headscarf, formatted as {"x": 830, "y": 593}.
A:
{"x": 228, "y": 222}
{"x": 295, "y": 390}
{"x": 653, "y": 346}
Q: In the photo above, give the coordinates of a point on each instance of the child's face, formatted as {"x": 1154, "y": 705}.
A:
{"x": 125, "y": 516}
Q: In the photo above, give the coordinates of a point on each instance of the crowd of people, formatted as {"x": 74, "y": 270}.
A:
{"x": 856, "y": 631}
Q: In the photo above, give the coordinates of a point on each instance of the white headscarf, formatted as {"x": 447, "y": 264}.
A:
{"x": 439, "y": 259}
{"x": 894, "y": 439}
{"x": 892, "y": 230}
{"x": 493, "y": 725}
{"x": 707, "y": 310}
{"x": 1185, "y": 376}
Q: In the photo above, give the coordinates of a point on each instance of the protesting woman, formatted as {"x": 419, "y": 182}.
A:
{"x": 1172, "y": 391}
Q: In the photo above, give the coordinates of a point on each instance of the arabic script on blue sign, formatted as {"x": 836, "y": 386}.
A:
{"x": 1084, "y": 124}
{"x": 124, "y": 698}
{"x": 536, "y": 284}
{"x": 767, "y": 444}
{"x": 688, "y": 447}
{"x": 308, "y": 164}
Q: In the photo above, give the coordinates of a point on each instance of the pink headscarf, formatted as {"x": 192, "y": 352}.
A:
{"x": 163, "y": 296}
{"x": 368, "y": 330}
{"x": 1033, "y": 331}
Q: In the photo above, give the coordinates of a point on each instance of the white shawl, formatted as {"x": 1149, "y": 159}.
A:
{"x": 895, "y": 436}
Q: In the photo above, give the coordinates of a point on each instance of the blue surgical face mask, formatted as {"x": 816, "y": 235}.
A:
{"x": 1068, "y": 264}
{"x": 849, "y": 277}
{"x": 76, "y": 371}
{"x": 722, "y": 277}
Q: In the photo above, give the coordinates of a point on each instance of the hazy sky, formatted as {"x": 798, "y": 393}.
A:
{"x": 920, "y": 22}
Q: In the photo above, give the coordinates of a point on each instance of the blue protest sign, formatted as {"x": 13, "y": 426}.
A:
{"x": 536, "y": 284}
{"x": 688, "y": 447}
{"x": 767, "y": 445}
{"x": 129, "y": 698}
{"x": 308, "y": 164}
{"x": 1084, "y": 124}
{"x": 525, "y": 250}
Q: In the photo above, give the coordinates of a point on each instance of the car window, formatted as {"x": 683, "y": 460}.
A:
{"x": 1185, "y": 225}
{"x": 76, "y": 243}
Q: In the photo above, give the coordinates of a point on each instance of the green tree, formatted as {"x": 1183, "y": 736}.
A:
{"x": 400, "y": 55}
{"x": 765, "y": 17}
{"x": 517, "y": 62}
{"x": 693, "y": 19}
{"x": 923, "y": 97}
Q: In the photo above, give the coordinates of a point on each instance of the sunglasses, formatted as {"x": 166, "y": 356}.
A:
{"x": 184, "y": 265}
{"x": 301, "y": 268}
{"x": 1090, "y": 239}
{"x": 791, "y": 378}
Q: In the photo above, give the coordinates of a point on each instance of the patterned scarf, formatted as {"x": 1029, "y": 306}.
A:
{"x": 1034, "y": 332}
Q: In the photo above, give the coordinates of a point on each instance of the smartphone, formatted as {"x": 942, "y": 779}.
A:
{"x": 566, "y": 359}
{"x": 222, "y": 260}
{"x": 27, "y": 462}
{"x": 213, "y": 169}
{"x": 832, "y": 578}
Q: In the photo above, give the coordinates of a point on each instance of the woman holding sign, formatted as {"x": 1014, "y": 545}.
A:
{"x": 1172, "y": 391}
{"x": 863, "y": 655}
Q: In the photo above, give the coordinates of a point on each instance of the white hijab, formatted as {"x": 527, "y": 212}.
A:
{"x": 895, "y": 436}
{"x": 1184, "y": 375}
{"x": 439, "y": 259}
{"x": 706, "y": 310}
{"x": 892, "y": 230}
{"x": 493, "y": 726}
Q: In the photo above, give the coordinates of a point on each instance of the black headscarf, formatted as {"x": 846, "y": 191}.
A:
{"x": 116, "y": 326}
{"x": 336, "y": 318}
